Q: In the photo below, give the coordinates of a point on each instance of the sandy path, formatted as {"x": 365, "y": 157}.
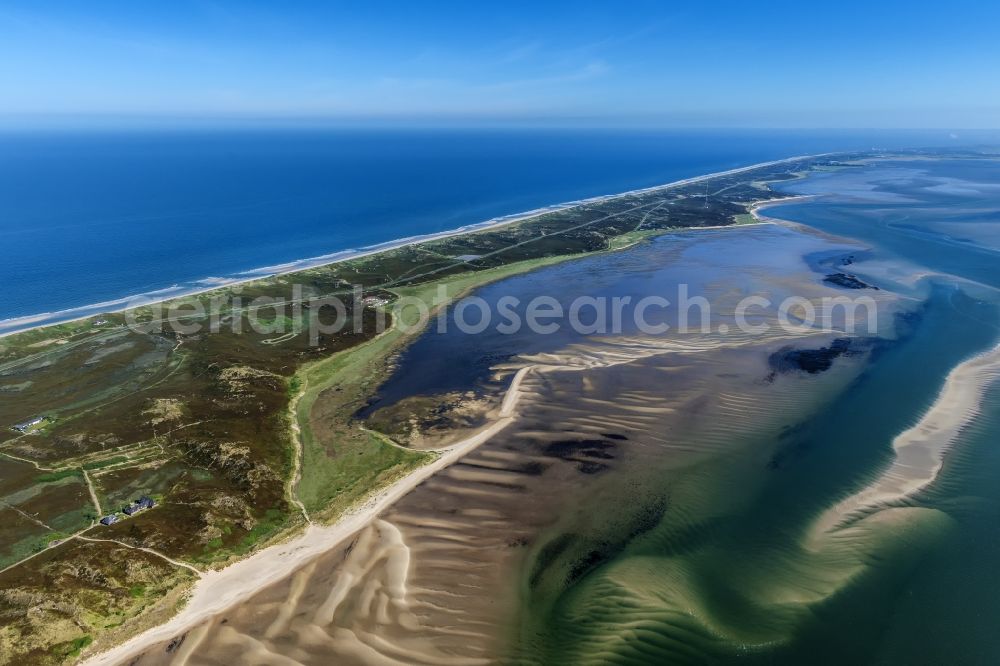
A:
{"x": 93, "y": 493}
{"x": 291, "y": 488}
{"x": 176, "y": 563}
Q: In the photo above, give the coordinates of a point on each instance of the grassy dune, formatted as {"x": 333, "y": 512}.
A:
{"x": 341, "y": 462}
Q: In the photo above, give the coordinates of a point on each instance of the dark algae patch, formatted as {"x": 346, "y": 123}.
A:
{"x": 847, "y": 281}
{"x": 813, "y": 361}
{"x": 586, "y": 453}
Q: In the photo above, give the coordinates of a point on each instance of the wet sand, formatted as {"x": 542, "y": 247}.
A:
{"x": 218, "y": 590}
{"x": 920, "y": 450}
{"x": 441, "y": 574}
{"x": 434, "y": 579}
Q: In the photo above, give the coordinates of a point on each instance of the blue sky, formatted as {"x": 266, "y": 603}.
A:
{"x": 743, "y": 64}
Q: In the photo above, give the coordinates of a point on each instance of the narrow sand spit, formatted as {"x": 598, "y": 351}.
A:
{"x": 921, "y": 449}
{"x": 755, "y": 210}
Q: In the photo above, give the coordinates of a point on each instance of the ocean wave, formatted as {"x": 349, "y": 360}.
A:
{"x": 37, "y": 320}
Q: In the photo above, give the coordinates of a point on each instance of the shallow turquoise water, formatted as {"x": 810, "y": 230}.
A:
{"x": 749, "y": 586}
{"x": 942, "y": 215}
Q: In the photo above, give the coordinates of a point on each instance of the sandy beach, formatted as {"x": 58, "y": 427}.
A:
{"x": 217, "y": 590}
{"x": 756, "y": 209}
{"x": 44, "y": 319}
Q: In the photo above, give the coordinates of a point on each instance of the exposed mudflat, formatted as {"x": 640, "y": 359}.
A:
{"x": 612, "y": 437}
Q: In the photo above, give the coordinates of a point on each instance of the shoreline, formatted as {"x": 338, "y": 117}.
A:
{"x": 755, "y": 209}
{"x": 217, "y": 590}
{"x": 245, "y": 578}
{"x": 222, "y": 588}
{"x": 43, "y": 320}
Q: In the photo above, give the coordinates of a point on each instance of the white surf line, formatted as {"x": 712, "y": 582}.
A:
{"x": 921, "y": 449}
{"x": 341, "y": 256}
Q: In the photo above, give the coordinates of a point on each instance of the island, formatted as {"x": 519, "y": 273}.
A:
{"x": 143, "y": 454}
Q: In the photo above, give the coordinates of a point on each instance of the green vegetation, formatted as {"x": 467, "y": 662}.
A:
{"x": 58, "y": 475}
{"x": 72, "y": 648}
{"x": 95, "y": 588}
{"x": 216, "y": 549}
{"x": 631, "y": 238}
{"x": 338, "y": 474}
{"x": 15, "y": 552}
{"x": 212, "y": 423}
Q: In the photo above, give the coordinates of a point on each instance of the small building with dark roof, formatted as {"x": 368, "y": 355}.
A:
{"x": 26, "y": 426}
{"x": 141, "y": 504}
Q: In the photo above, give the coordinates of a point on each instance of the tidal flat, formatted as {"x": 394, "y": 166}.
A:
{"x": 232, "y": 410}
{"x": 617, "y": 440}
{"x": 691, "y": 498}
{"x": 696, "y": 494}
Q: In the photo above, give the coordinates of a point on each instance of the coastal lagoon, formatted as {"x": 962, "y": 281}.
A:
{"x": 708, "y": 497}
{"x": 696, "y": 278}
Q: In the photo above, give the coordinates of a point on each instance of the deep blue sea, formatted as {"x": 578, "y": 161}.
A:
{"x": 96, "y": 217}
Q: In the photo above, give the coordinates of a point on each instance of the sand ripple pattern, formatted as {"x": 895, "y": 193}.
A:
{"x": 433, "y": 579}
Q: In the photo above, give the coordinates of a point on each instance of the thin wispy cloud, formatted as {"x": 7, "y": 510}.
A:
{"x": 521, "y": 52}
{"x": 586, "y": 72}
{"x": 705, "y": 61}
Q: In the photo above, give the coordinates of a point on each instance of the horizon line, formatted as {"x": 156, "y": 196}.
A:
{"x": 140, "y": 121}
